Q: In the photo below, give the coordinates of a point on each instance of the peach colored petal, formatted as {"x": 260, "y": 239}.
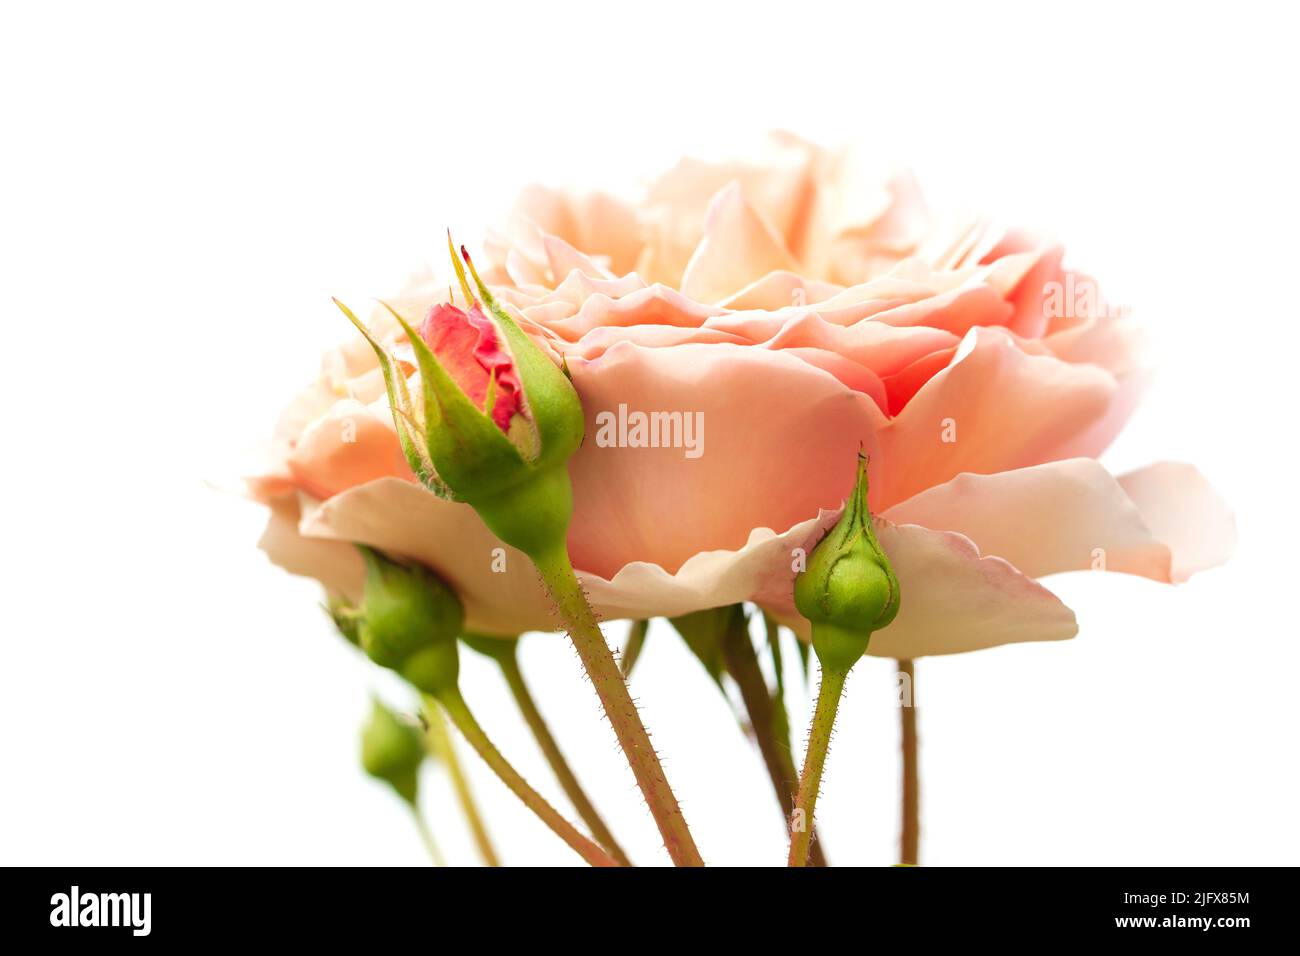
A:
{"x": 406, "y": 521}
{"x": 653, "y": 305}
{"x": 599, "y": 340}
{"x": 1181, "y": 509}
{"x": 994, "y": 408}
{"x": 956, "y": 311}
{"x": 777, "y": 185}
{"x": 598, "y": 224}
{"x": 1114, "y": 343}
{"x": 563, "y": 259}
{"x": 882, "y": 348}
{"x": 1062, "y": 516}
{"x": 335, "y": 564}
{"x": 738, "y": 247}
{"x": 849, "y": 373}
{"x": 773, "y": 428}
{"x": 779, "y": 289}
{"x": 349, "y": 445}
{"x": 953, "y": 600}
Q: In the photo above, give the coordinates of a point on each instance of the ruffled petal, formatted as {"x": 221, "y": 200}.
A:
{"x": 994, "y": 408}
{"x": 773, "y": 428}
{"x": 1062, "y": 516}
{"x": 1181, "y": 509}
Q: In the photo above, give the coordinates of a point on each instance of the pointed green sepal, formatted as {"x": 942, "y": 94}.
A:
{"x": 704, "y": 633}
{"x": 406, "y": 420}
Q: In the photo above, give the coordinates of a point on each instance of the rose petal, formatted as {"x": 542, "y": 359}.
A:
{"x": 406, "y": 521}
{"x": 776, "y": 433}
{"x": 953, "y": 600}
{"x": 1181, "y": 509}
{"x": 1062, "y": 516}
{"x": 349, "y": 445}
{"x": 336, "y": 564}
{"x": 993, "y": 409}
{"x": 738, "y": 247}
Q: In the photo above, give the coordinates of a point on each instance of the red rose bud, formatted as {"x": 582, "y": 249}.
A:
{"x": 469, "y": 348}
{"x": 496, "y": 420}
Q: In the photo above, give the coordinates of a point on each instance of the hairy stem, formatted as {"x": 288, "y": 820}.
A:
{"x": 819, "y": 741}
{"x": 632, "y": 649}
{"x": 445, "y": 750}
{"x": 466, "y": 723}
{"x": 426, "y": 837}
{"x": 742, "y": 665}
{"x": 580, "y": 621}
{"x": 555, "y": 757}
{"x": 910, "y": 841}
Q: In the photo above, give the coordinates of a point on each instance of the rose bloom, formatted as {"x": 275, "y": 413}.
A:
{"x": 791, "y": 311}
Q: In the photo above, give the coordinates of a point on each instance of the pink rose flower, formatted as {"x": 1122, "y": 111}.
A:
{"x": 735, "y": 336}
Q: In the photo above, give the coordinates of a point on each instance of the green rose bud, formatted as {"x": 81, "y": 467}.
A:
{"x": 848, "y": 589}
{"x": 408, "y": 621}
{"x": 392, "y": 750}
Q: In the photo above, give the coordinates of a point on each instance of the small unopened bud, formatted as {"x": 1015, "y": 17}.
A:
{"x": 848, "y": 590}
{"x": 392, "y": 750}
{"x": 408, "y": 621}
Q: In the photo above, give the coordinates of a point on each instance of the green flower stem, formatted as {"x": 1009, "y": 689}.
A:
{"x": 632, "y": 649}
{"x": 742, "y": 665}
{"x": 426, "y": 837}
{"x": 580, "y": 621}
{"x": 445, "y": 750}
{"x": 910, "y": 842}
{"x": 819, "y": 741}
{"x": 555, "y": 757}
{"x": 466, "y": 723}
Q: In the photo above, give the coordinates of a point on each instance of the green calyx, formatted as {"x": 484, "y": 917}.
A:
{"x": 408, "y": 622}
{"x": 848, "y": 590}
{"x": 392, "y": 750}
{"x": 704, "y": 633}
{"x": 458, "y": 452}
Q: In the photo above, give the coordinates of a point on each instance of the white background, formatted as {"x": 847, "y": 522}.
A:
{"x": 185, "y": 186}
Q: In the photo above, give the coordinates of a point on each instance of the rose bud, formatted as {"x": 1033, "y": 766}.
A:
{"x": 496, "y": 421}
{"x": 408, "y": 621}
{"x": 392, "y": 750}
{"x": 848, "y": 589}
